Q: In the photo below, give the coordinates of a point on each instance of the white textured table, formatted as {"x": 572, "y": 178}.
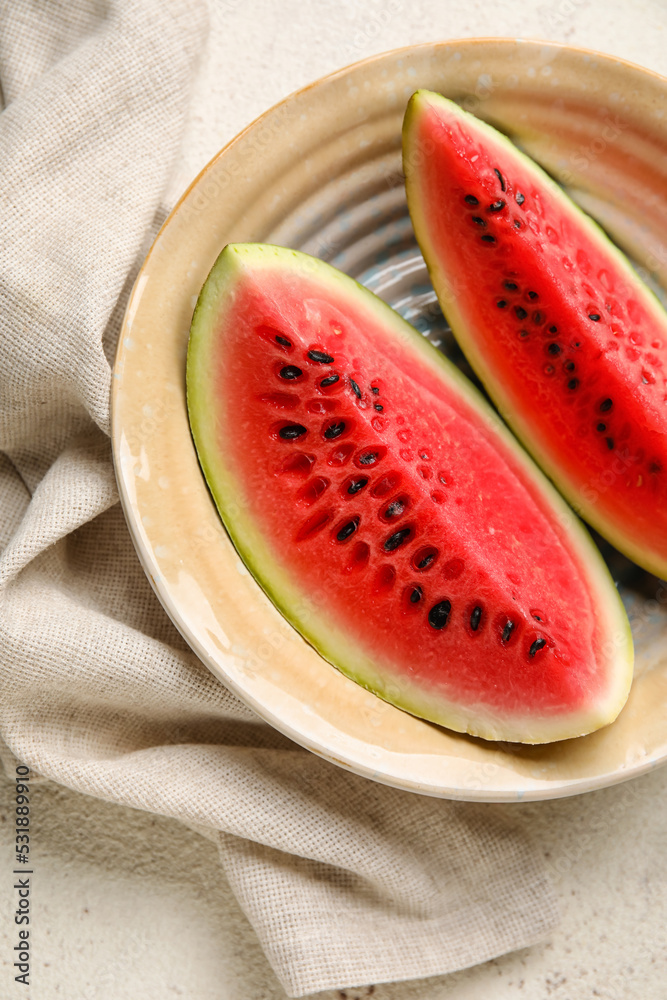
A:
{"x": 128, "y": 906}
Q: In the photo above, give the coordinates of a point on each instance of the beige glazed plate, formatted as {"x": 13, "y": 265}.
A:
{"x": 321, "y": 172}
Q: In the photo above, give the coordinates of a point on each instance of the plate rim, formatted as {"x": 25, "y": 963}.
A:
{"x": 145, "y": 551}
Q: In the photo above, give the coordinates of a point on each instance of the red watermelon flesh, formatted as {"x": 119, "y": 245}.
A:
{"x": 568, "y": 341}
{"x": 383, "y": 507}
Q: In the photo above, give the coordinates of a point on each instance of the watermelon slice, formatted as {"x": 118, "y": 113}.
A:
{"x": 570, "y": 344}
{"x": 356, "y": 470}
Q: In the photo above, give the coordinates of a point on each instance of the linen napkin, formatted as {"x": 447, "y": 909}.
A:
{"x": 345, "y": 881}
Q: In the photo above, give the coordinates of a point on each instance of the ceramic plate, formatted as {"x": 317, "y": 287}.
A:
{"x": 321, "y": 172}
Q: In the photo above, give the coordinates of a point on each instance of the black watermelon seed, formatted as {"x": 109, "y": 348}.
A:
{"x": 379, "y": 407}
{"x": 537, "y": 318}
{"x": 497, "y": 206}
{"x": 320, "y": 357}
{"x": 426, "y": 561}
{"x": 654, "y": 467}
{"x": 610, "y": 443}
{"x": 520, "y": 312}
{"x": 517, "y": 224}
{"x": 594, "y": 316}
{"x": 501, "y": 304}
{"x": 368, "y": 458}
{"x": 356, "y": 485}
{"x": 347, "y": 530}
{"x": 533, "y": 295}
{"x": 283, "y": 340}
{"x": 397, "y": 539}
{"x": 470, "y": 198}
{"x": 488, "y": 238}
{"x": 511, "y": 286}
{"x": 438, "y": 616}
{"x": 500, "y": 177}
{"x": 524, "y": 333}
{"x": 553, "y": 329}
{"x": 290, "y": 372}
{"x": 569, "y": 366}
{"x": 537, "y": 645}
{"x": 553, "y": 349}
{"x": 479, "y": 221}
{"x": 606, "y": 405}
{"x": 416, "y": 595}
{"x": 291, "y": 431}
{"x": 576, "y": 344}
{"x": 573, "y": 384}
{"x": 355, "y": 388}
{"x": 375, "y": 390}
{"x": 329, "y": 380}
{"x": 475, "y": 618}
{"x": 334, "y": 430}
{"x": 601, "y": 428}
{"x": 520, "y": 198}
{"x": 507, "y": 631}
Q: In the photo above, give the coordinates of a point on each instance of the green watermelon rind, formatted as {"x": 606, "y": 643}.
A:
{"x": 302, "y": 611}
{"x": 522, "y": 427}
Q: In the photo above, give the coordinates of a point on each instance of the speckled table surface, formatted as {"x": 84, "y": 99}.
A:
{"x": 129, "y": 905}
